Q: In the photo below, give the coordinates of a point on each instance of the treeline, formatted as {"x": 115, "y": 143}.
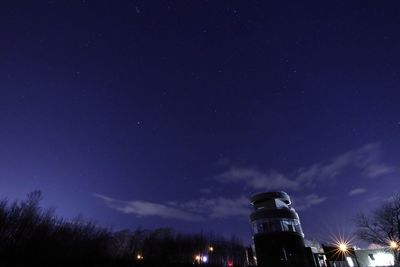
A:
{"x": 166, "y": 246}
{"x": 31, "y": 235}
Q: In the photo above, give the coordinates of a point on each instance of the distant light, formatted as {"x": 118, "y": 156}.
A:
{"x": 343, "y": 247}
{"x": 139, "y": 257}
{"x": 393, "y": 244}
{"x": 204, "y": 259}
{"x": 197, "y": 257}
{"x": 210, "y": 248}
{"x": 230, "y": 264}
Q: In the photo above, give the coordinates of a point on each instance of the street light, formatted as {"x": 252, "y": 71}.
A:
{"x": 211, "y": 248}
{"x": 393, "y": 244}
{"x": 204, "y": 259}
{"x": 343, "y": 247}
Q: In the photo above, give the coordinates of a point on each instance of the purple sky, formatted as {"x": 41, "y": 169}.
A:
{"x": 172, "y": 113}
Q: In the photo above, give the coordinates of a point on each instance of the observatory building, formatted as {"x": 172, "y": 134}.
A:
{"x": 277, "y": 233}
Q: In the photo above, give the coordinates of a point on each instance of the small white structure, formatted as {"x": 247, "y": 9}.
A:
{"x": 379, "y": 257}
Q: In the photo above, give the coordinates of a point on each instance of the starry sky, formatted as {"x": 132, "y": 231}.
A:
{"x": 173, "y": 113}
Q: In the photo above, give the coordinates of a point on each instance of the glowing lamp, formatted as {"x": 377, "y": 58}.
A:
{"x": 343, "y": 247}
{"x": 393, "y": 244}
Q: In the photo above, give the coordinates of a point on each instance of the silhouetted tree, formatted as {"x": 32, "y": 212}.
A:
{"x": 382, "y": 226}
{"x": 31, "y": 235}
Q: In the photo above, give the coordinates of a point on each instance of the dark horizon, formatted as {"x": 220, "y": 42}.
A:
{"x": 173, "y": 113}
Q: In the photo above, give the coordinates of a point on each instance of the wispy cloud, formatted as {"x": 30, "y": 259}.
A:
{"x": 357, "y": 191}
{"x": 194, "y": 210}
{"x": 219, "y": 207}
{"x": 143, "y": 208}
{"x": 376, "y": 170}
{"x": 258, "y": 180}
{"x": 366, "y": 159}
{"x": 306, "y": 202}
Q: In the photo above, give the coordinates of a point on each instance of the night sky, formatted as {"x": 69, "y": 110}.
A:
{"x": 173, "y": 113}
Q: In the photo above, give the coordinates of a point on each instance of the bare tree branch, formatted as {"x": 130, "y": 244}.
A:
{"x": 382, "y": 225}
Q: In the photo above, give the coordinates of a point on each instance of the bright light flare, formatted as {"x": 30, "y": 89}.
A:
{"x": 393, "y": 244}
{"x": 204, "y": 259}
{"x": 342, "y": 244}
{"x": 343, "y": 247}
{"x": 210, "y": 248}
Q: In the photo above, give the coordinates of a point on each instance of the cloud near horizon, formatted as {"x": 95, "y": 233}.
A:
{"x": 357, "y": 191}
{"x": 306, "y": 202}
{"x": 198, "y": 210}
{"x": 365, "y": 159}
{"x": 144, "y": 208}
{"x": 194, "y": 211}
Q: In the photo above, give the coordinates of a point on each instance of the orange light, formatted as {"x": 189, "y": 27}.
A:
{"x": 139, "y": 257}
{"x": 393, "y": 244}
{"x": 210, "y": 248}
{"x": 343, "y": 247}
